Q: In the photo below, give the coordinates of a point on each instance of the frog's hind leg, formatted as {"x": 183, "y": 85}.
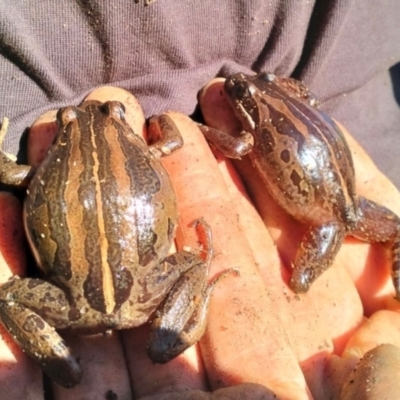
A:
{"x": 316, "y": 253}
{"x": 376, "y": 223}
{"x": 30, "y": 310}
{"x": 181, "y": 320}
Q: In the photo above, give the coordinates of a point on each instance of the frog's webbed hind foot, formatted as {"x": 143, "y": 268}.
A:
{"x": 316, "y": 253}
{"x": 376, "y": 223}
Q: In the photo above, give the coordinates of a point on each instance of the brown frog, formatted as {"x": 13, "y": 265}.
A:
{"x": 100, "y": 215}
{"x": 305, "y": 164}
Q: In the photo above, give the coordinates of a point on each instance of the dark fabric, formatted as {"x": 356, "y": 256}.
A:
{"x": 55, "y": 52}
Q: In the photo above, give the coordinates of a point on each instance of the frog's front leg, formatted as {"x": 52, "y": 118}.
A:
{"x": 14, "y": 174}
{"x": 229, "y": 146}
{"x": 181, "y": 320}
{"x": 10, "y": 172}
{"x": 376, "y": 223}
{"x": 163, "y": 136}
{"x": 31, "y": 310}
{"x": 316, "y": 253}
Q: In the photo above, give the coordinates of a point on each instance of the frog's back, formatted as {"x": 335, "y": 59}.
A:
{"x": 304, "y": 159}
{"x": 101, "y": 211}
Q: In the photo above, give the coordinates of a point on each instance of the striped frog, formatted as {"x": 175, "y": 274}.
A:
{"x": 100, "y": 216}
{"x": 304, "y": 162}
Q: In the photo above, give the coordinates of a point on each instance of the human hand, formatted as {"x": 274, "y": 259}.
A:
{"x": 258, "y": 331}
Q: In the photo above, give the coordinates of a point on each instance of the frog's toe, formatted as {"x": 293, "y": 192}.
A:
{"x": 164, "y": 345}
{"x": 41, "y": 341}
{"x": 301, "y": 280}
{"x": 66, "y": 372}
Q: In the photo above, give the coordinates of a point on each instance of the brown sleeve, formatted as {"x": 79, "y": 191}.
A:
{"x": 54, "y": 53}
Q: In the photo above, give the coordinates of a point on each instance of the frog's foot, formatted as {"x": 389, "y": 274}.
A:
{"x": 181, "y": 320}
{"x": 41, "y": 342}
{"x": 31, "y": 310}
{"x": 316, "y": 253}
{"x": 376, "y": 223}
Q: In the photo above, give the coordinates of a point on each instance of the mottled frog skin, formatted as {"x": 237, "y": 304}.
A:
{"x": 100, "y": 215}
{"x": 304, "y": 162}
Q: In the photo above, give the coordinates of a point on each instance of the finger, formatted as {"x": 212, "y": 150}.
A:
{"x": 239, "y": 305}
{"x": 40, "y": 137}
{"x": 18, "y": 374}
{"x": 370, "y": 181}
{"x": 183, "y": 373}
{"x": 382, "y": 328}
{"x": 244, "y": 391}
{"x": 377, "y": 376}
{"x": 12, "y": 238}
{"x": 105, "y": 371}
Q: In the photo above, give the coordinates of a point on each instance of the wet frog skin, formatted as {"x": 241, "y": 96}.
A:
{"x": 100, "y": 215}
{"x": 305, "y": 164}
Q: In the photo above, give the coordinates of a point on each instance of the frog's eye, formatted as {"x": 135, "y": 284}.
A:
{"x": 114, "y": 109}
{"x": 266, "y": 76}
{"x": 244, "y": 91}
